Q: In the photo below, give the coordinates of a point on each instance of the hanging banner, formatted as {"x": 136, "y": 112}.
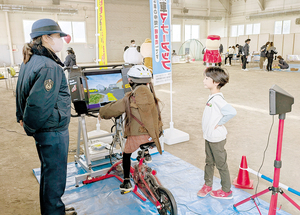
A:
{"x": 160, "y": 13}
{"x": 101, "y": 33}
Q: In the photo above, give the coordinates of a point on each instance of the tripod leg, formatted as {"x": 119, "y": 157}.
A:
{"x": 290, "y": 200}
{"x": 252, "y": 197}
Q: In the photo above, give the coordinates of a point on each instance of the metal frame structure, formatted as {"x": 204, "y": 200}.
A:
{"x": 87, "y": 162}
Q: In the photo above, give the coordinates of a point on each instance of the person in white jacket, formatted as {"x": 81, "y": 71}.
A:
{"x": 230, "y": 55}
{"x": 216, "y": 113}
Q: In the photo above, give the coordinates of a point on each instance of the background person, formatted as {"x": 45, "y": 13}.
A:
{"x": 282, "y": 63}
{"x": 71, "y": 58}
{"x": 230, "y": 55}
{"x": 246, "y": 53}
{"x": 221, "y": 52}
{"x": 271, "y": 51}
{"x": 216, "y": 113}
{"x": 263, "y": 57}
{"x": 132, "y": 43}
{"x": 143, "y": 120}
{"x": 43, "y": 108}
{"x": 239, "y": 50}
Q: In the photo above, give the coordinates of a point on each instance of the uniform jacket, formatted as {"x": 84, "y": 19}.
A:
{"x": 42, "y": 100}
{"x": 70, "y": 60}
{"x": 143, "y": 107}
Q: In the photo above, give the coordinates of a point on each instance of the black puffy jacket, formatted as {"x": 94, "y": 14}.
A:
{"x": 43, "y": 100}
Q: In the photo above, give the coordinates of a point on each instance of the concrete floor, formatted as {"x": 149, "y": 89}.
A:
{"x": 248, "y": 132}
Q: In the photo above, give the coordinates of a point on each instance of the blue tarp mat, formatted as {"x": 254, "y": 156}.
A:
{"x": 285, "y": 70}
{"x": 181, "y": 178}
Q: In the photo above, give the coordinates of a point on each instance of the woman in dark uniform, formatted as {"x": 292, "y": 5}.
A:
{"x": 43, "y": 107}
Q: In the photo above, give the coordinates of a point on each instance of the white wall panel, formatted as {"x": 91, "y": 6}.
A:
{"x": 232, "y": 41}
{"x": 253, "y": 43}
{"x": 288, "y": 45}
{"x": 241, "y": 39}
{"x": 297, "y": 45}
{"x": 262, "y": 40}
{"x": 224, "y": 42}
{"x": 278, "y": 43}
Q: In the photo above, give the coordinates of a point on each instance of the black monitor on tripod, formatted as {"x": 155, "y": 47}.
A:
{"x": 280, "y": 101}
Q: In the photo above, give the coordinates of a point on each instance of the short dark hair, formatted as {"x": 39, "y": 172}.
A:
{"x": 218, "y": 75}
{"x": 279, "y": 57}
{"x": 132, "y": 41}
{"x": 247, "y": 40}
{"x": 237, "y": 45}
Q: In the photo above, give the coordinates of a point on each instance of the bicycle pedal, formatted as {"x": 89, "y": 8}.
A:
{"x": 125, "y": 192}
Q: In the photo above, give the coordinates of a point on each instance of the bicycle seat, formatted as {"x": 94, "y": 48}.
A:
{"x": 147, "y": 145}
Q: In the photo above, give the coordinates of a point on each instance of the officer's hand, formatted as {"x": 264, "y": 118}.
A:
{"x": 21, "y": 123}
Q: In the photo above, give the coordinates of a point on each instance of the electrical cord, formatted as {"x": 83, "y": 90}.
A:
{"x": 188, "y": 208}
{"x": 264, "y": 155}
{"x": 12, "y": 131}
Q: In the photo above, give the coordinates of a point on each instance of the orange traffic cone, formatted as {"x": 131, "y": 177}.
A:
{"x": 243, "y": 181}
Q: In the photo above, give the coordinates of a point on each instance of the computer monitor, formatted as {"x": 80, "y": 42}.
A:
{"x": 94, "y": 86}
{"x": 103, "y": 88}
{"x": 280, "y": 101}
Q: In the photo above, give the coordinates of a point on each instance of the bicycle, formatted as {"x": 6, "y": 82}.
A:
{"x": 145, "y": 179}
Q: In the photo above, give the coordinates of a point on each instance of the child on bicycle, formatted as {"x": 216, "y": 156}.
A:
{"x": 216, "y": 113}
{"x": 143, "y": 121}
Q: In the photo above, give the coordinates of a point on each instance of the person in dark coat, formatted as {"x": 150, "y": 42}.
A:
{"x": 245, "y": 53}
{"x": 282, "y": 64}
{"x": 271, "y": 51}
{"x": 71, "y": 58}
{"x": 43, "y": 109}
{"x": 221, "y": 52}
{"x": 239, "y": 50}
{"x": 263, "y": 57}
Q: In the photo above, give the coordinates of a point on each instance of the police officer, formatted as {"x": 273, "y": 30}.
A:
{"x": 43, "y": 107}
{"x": 143, "y": 121}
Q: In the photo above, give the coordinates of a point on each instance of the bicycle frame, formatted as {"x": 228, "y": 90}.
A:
{"x": 142, "y": 178}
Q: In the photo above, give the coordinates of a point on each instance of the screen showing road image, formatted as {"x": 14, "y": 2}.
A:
{"x": 104, "y": 88}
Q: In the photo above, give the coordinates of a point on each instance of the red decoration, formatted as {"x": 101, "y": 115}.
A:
{"x": 212, "y": 56}
{"x": 67, "y": 38}
{"x": 213, "y": 37}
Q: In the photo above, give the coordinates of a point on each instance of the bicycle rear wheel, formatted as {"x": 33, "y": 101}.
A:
{"x": 167, "y": 201}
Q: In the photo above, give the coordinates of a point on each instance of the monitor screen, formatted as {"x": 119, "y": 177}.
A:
{"x": 104, "y": 88}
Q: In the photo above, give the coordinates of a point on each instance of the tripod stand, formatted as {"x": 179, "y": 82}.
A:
{"x": 275, "y": 188}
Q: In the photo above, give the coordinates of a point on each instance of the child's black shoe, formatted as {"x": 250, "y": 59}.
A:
{"x": 126, "y": 185}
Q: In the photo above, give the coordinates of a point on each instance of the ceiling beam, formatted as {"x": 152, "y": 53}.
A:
{"x": 226, "y": 5}
{"x": 261, "y": 4}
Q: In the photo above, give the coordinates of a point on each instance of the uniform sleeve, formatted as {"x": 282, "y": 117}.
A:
{"x": 19, "y": 112}
{"x": 113, "y": 109}
{"x": 228, "y": 112}
{"x": 42, "y": 99}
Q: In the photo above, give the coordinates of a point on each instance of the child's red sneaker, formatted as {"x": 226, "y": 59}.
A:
{"x": 220, "y": 194}
{"x": 204, "y": 191}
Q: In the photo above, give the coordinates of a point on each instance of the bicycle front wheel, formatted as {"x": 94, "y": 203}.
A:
{"x": 167, "y": 201}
